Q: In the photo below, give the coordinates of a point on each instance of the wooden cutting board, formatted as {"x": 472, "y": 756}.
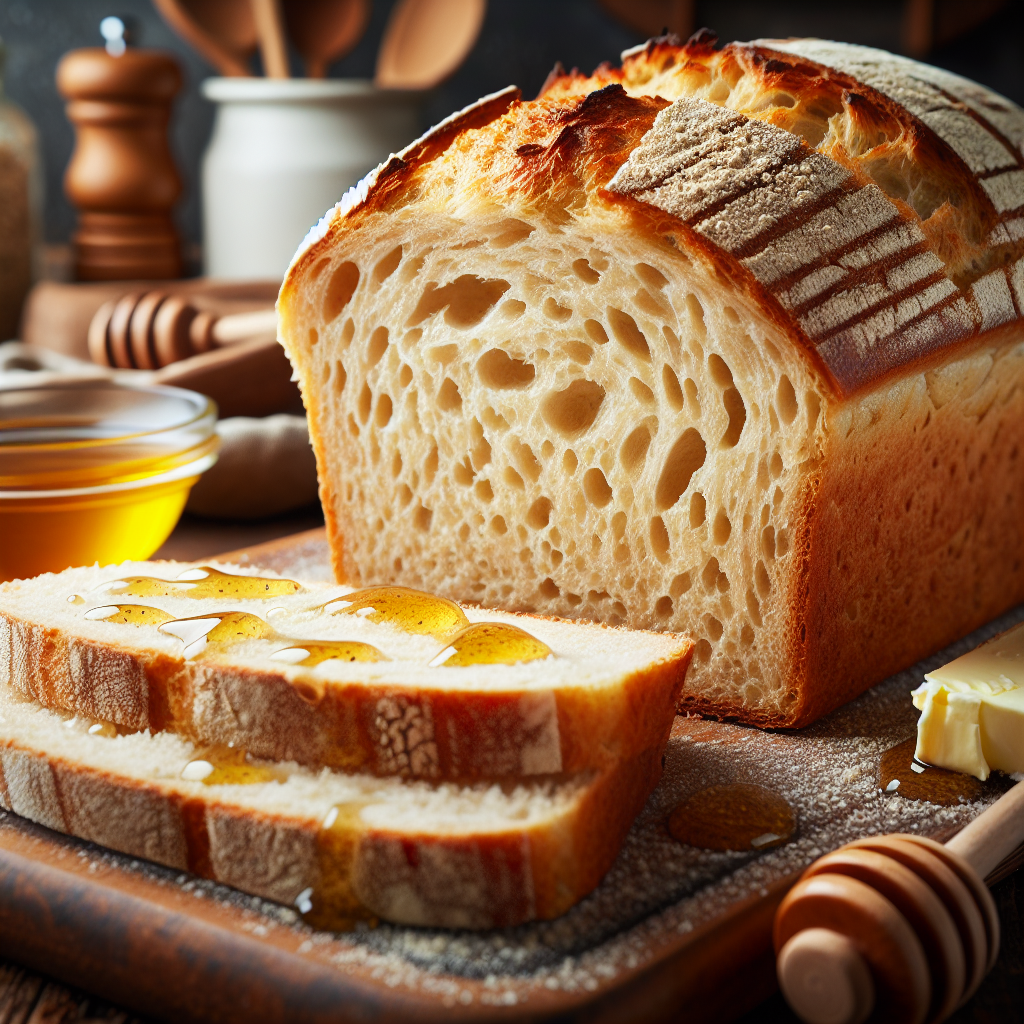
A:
{"x": 671, "y": 926}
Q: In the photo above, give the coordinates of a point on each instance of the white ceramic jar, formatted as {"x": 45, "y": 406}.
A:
{"x": 282, "y": 153}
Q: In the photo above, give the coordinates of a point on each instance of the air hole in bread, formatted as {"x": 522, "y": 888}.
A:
{"x": 782, "y": 543}
{"x": 404, "y": 493}
{"x": 376, "y": 347}
{"x": 465, "y": 301}
{"x": 497, "y": 369}
{"x": 585, "y": 272}
{"x": 383, "y": 413}
{"x": 482, "y": 489}
{"x": 648, "y": 304}
{"x": 463, "y": 533}
{"x": 786, "y": 400}
{"x": 553, "y": 311}
{"x": 627, "y": 334}
{"x": 709, "y": 575}
{"x": 314, "y": 337}
{"x": 596, "y": 332}
{"x": 775, "y": 467}
{"x": 670, "y": 382}
{"x": 510, "y": 232}
{"x": 698, "y": 510}
{"x": 340, "y": 288}
{"x": 681, "y": 583}
{"x": 651, "y": 276}
{"x": 754, "y": 608}
{"x": 761, "y": 580}
{"x": 659, "y": 539}
{"x": 319, "y": 267}
{"x": 696, "y": 311}
{"x": 692, "y": 397}
{"x": 405, "y": 375}
{"x": 353, "y": 426}
{"x": 339, "y": 378}
{"x": 448, "y": 397}
{"x": 768, "y": 542}
{"x": 549, "y": 589}
{"x": 634, "y": 450}
{"x": 513, "y": 479}
{"x": 572, "y": 411}
{"x": 512, "y": 309}
{"x": 596, "y": 488}
{"x": 525, "y": 459}
{"x": 430, "y": 466}
{"x": 641, "y": 391}
{"x": 721, "y": 528}
{"x": 719, "y": 370}
{"x": 685, "y": 458}
{"x": 422, "y": 518}
{"x": 663, "y": 609}
{"x": 443, "y": 354}
{"x": 463, "y": 473}
{"x": 737, "y": 413}
{"x": 713, "y": 628}
{"x": 365, "y": 403}
{"x": 348, "y": 331}
{"x": 388, "y": 265}
{"x": 579, "y": 352}
{"x": 539, "y": 514}
{"x": 499, "y": 526}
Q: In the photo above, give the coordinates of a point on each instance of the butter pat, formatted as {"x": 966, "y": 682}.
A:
{"x": 972, "y": 710}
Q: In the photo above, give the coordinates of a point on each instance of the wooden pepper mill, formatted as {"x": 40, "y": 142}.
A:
{"x": 122, "y": 177}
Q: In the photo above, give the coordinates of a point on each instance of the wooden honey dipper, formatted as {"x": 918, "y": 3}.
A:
{"x": 147, "y": 330}
{"x": 896, "y": 928}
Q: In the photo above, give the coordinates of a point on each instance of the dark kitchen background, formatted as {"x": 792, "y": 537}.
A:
{"x": 520, "y": 42}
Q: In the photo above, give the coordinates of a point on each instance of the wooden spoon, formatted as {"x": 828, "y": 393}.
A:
{"x": 426, "y": 40}
{"x": 223, "y": 32}
{"x": 270, "y": 30}
{"x": 323, "y": 31}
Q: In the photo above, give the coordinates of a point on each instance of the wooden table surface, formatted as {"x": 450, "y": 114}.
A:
{"x": 30, "y": 998}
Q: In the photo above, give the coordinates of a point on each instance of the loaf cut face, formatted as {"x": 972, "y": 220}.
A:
{"x": 724, "y": 342}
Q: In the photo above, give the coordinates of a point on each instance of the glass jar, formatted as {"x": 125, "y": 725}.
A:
{"x": 21, "y": 195}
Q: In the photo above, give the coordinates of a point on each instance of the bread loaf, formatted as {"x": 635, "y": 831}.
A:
{"x": 726, "y": 342}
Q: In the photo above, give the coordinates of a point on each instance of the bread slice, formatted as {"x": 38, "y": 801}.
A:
{"x": 727, "y": 342}
{"x": 605, "y": 696}
{"x": 340, "y": 847}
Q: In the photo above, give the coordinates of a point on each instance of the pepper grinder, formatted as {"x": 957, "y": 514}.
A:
{"x": 121, "y": 177}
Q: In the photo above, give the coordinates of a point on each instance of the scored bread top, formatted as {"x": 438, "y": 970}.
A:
{"x": 871, "y": 205}
{"x": 601, "y": 694}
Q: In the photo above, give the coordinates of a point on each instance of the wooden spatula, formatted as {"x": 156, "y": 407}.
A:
{"x": 426, "y": 40}
{"x": 323, "y": 31}
{"x": 223, "y": 32}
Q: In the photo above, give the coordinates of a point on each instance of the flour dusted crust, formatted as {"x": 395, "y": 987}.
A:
{"x": 726, "y": 342}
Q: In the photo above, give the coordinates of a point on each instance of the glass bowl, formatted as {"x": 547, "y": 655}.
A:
{"x": 94, "y": 471}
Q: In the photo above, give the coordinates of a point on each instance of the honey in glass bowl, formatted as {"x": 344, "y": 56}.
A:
{"x": 94, "y": 471}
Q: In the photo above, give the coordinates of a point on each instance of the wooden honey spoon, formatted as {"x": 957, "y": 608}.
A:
{"x": 148, "y": 330}
{"x": 223, "y": 32}
{"x": 426, "y": 40}
{"x": 898, "y": 927}
{"x": 323, "y": 31}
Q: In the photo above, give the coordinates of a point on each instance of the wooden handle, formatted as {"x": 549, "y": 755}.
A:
{"x": 270, "y": 29}
{"x": 993, "y": 835}
{"x": 912, "y": 913}
{"x": 149, "y": 330}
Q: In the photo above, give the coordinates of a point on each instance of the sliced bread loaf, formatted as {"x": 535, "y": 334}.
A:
{"x": 145, "y": 655}
{"x": 340, "y": 847}
{"x": 727, "y": 342}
